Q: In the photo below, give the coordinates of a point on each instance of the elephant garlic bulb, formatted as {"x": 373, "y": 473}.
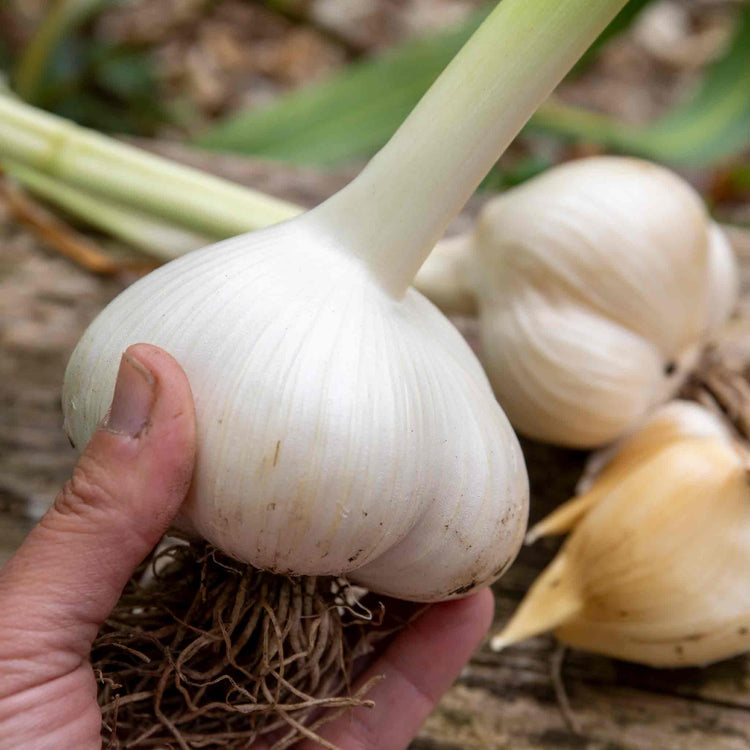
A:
{"x": 597, "y": 283}
{"x": 656, "y": 570}
{"x": 344, "y": 426}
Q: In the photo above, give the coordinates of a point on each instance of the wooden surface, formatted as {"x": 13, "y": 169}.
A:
{"x": 502, "y": 700}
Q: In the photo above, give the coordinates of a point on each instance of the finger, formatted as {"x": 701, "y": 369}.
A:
{"x": 419, "y": 666}
{"x": 126, "y": 488}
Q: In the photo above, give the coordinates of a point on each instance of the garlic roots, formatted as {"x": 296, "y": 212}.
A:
{"x": 655, "y": 569}
{"x": 597, "y": 283}
{"x": 344, "y": 426}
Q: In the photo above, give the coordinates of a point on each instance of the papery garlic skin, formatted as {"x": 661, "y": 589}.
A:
{"x": 673, "y": 422}
{"x": 597, "y": 284}
{"x": 447, "y": 276}
{"x": 679, "y": 596}
{"x": 340, "y": 431}
{"x": 656, "y": 571}
{"x": 723, "y": 279}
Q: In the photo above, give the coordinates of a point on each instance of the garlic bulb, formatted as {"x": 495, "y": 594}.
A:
{"x": 597, "y": 283}
{"x": 656, "y": 570}
{"x": 723, "y": 279}
{"x": 365, "y": 435}
{"x": 344, "y": 426}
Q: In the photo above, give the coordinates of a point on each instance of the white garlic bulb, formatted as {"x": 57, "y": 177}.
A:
{"x": 597, "y": 283}
{"x": 340, "y": 429}
{"x": 723, "y": 279}
{"x": 344, "y": 426}
{"x": 656, "y": 570}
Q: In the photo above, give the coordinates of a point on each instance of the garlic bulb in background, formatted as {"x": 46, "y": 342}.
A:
{"x": 344, "y": 426}
{"x": 597, "y": 284}
{"x": 723, "y": 279}
{"x": 656, "y": 571}
{"x": 446, "y": 277}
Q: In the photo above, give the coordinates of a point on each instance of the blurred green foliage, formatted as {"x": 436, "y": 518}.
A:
{"x": 106, "y": 86}
{"x": 712, "y": 125}
{"x": 352, "y": 114}
{"x": 348, "y": 115}
{"x": 113, "y": 87}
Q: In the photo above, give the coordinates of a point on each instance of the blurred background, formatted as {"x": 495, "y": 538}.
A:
{"x": 291, "y": 97}
{"x": 668, "y": 80}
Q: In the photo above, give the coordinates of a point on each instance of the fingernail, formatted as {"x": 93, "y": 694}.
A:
{"x": 133, "y": 399}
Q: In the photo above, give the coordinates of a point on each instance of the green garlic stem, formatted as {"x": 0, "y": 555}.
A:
{"x": 138, "y": 229}
{"x": 91, "y": 162}
{"x": 394, "y": 212}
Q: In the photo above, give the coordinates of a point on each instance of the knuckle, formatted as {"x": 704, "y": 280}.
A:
{"x": 86, "y": 491}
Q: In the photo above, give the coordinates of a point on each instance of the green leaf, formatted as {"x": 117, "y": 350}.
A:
{"x": 354, "y": 113}
{"x": 127, "y": 74}
{"x": 349, "y": 115}
{"x": 502, "y": 177}
{"x": 713, "y": 125}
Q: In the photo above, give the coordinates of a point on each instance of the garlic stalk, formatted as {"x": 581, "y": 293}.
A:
{"x": 656, "y": 571}
{"x": 91, "y": 162}
{"x": 138, "y": 228}
{"x": 597, "y": 283}
{"x": 344, "y": 425}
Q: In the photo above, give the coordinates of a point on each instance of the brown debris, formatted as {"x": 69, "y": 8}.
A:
{"x": 60, "y": 237}
{"x": 721, "y": 381}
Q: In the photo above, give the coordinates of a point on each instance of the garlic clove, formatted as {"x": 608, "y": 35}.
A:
{"x": 563, "y": 518}
{"x": 658, "y": 567}
{"x": 446, "y": 277}
{"x": 553, "y": 599}
{"x": 670, "y": 423}
{"x": 557, "y": 357}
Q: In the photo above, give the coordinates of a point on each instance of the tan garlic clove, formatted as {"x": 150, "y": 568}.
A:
{"x": 677, "y": 420}
{"x": 656, "y": 571}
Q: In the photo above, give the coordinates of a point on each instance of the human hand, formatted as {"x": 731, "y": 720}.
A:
{"x": 59, "y": 587}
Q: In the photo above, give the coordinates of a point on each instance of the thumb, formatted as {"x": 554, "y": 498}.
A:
{"x": 125, "y": 490}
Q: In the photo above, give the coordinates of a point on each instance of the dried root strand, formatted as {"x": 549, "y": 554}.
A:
{"x": 203, "y": 651}
{"x": 721, "y": 381}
